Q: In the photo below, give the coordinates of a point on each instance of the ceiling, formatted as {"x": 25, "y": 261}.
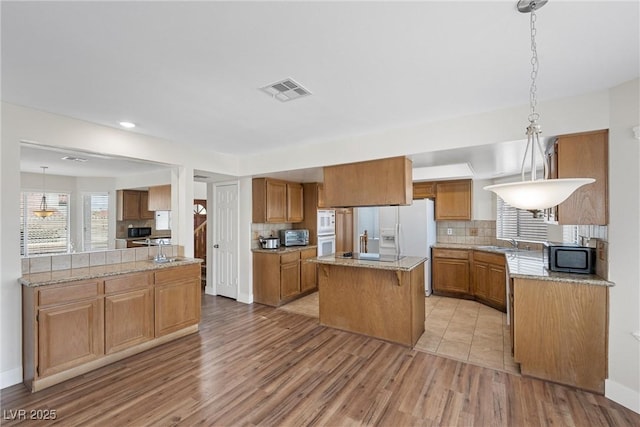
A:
{"x": 191, "y": 72}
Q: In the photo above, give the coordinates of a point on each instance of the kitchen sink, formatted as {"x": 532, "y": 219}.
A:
{"x": 497, "y": 248}
{"x": 164, "y": 260}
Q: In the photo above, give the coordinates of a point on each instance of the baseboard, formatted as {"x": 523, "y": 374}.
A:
{"x": 12, "y": 377}
{"x": 623, "y": 395}
{"x": 245, "y": 298}
{"x": 210, "y": 290}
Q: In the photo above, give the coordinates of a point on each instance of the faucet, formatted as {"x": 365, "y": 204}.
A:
{"x": 160, "y": 256}
{"x": 514, "y": 243}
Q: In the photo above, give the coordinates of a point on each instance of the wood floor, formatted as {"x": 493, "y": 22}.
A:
{"x": 255, "y": 365}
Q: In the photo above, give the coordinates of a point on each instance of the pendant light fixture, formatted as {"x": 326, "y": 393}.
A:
{"x": 43, "y": 212}
{"x": 536, "y": 195}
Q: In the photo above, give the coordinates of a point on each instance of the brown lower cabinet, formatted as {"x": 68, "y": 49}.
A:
{"x": 128, "y": 315}
{"x": 69, "y": 333}
{"x": 489, "y": 279}
{"x": 470, "y": 274}
{"x": 560, "y": 332}
{"x": 74, "y": 327}
{"x": 280, "y": 277}
{"x": 450, "y": 269}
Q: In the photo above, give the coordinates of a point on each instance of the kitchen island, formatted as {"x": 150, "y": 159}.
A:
{"x": 382, "y": 299}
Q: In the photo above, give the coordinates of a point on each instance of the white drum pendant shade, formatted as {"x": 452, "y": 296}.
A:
{"x": 538, "y": 195}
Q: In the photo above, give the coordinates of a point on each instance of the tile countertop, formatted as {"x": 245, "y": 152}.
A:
{"x": 404, "y": 264}
{"x": 527, "y": 264}
{"x": 61, "y": 276}
{"x": 283, "y": 249}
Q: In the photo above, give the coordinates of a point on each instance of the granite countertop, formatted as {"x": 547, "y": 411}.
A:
{"x": 61, "y": 276}
{"x": 404, "y": 264}
{"x": 531, "y": 264}
{"x": 283, "y": 249}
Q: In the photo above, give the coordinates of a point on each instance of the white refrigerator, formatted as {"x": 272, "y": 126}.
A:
{"x": 409, "y": 231}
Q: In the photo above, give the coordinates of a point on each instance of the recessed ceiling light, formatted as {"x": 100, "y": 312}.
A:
{"x": 127, "y": 125}
{"x": 74, "y": 159}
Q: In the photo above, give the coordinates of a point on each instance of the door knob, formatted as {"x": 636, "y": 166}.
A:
{"x": 216, "y": 246}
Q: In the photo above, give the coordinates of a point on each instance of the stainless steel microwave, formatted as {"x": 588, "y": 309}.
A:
{"x": 572, "y": 259}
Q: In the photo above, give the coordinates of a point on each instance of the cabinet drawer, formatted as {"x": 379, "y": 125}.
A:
{"x": 128, "y": 282}
{"x": 289, "y": 257}
{"x": 68, "y": 293}
{"x": 177, "y": 274}
{"x": 480, "y": 256}
{"x": 308, "y": 253}
{"x": 451, "y": 253}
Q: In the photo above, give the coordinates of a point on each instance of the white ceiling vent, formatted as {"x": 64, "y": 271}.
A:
{"x": 286, "y": 90}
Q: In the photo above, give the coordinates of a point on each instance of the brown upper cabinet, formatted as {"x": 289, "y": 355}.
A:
{"x": 276, "y": 201}
{"x": 160, "y": 198}
{"x": 453, "y": 200}
{"x": 371, "y": 183}
{"x": 424, "y": 190}
{"x": 133, "y": 205}
{"x": 583, "y": 155}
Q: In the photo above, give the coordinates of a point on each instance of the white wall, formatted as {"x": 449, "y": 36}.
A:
{"x": 623, "y": 385}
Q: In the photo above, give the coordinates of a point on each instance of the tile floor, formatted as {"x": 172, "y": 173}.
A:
{"x": 454, "y": 328}
{"x": 468, "y": 331}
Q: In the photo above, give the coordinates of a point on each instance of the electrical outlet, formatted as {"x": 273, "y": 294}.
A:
{"x": 449, "y": 231}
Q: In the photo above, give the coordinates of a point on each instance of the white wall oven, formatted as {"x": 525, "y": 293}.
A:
{"x": 326, "y": 232}
{"x": 326, "y": 245}
{"x": 326, "y": 222}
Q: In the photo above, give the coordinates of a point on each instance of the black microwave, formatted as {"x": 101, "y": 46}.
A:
{"x": 138, "y": 232}
{"x": 572, "y": 259}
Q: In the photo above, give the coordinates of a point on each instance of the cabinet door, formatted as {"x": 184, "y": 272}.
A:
{"x": 289, "y": 279}
{"x": 584, "y": 155}
{"x": 373, "y": 182}
{"x": 308, "y": 274}
{"x": 145, "y": 213}
{"x": 321, "y": 203}
{"x": 130, "y": 204}
{"x": 160, "y": 198}
{"x": 69, "y": 335}
{"x": 344, "y": 230}
{"x": 481, "y": 280}
{"x": 276, "y": 201}
{"x": 295, "y": 202}
{"x": 453, "y": 200}
{"x": 497, "y": 280}
{"x": 424, "y": 190}
{"x": 177, "y": 306}
{"x": 128, "y": 319}
{"x": 451, "y": 275}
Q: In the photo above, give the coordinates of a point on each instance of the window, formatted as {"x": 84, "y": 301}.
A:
{"x": 96, "y": 221}
{"x": 519, "y": 224}
{"x": 44, "y": 235}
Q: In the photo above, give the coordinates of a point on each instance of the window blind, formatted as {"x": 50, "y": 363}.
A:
{"x": 518, "y": 224}
{"x": 44, "y": 235}
{"x": 96, "y": 218}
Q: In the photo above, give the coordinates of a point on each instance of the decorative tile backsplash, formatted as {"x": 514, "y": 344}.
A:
{"x": 466, "y": 232}
{"x": 42, "y": 264}
{"x": 265, "y": 230}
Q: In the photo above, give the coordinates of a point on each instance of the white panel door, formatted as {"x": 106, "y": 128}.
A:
{"x": 225, "y": 240}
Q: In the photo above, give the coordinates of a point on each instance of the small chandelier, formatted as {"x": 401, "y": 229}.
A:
{"x": 43, "y": 212}
{"x": 535, "y": 195}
